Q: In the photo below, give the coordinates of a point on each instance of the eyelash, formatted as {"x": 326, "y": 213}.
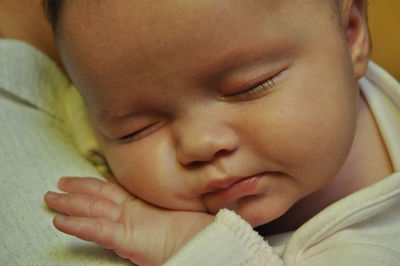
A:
{"x": 253, "y": 92}
{"x": 140, "y": 133}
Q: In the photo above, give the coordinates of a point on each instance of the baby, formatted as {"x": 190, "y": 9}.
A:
{"x": 221, "y": 115}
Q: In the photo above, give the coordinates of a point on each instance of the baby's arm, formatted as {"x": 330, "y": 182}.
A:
{"x": 104, "y": 213}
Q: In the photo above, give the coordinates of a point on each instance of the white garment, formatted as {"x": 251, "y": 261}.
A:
{"x": 360, "y": 229}
{"x": 35, "y": 150}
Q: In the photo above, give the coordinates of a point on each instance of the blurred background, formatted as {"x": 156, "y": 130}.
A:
{"x": 384, "y": 19}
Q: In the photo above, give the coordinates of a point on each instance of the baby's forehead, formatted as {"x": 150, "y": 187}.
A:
{"x": 57, "y": 9}
{"x": 116, "y": 44}
{"x": 177, "y": 20}
{"x": 120, "y": 29}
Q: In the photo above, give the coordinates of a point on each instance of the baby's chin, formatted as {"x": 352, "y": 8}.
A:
{"x": 257, "y": 214}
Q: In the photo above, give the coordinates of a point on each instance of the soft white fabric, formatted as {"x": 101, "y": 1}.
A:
{"x": 35, "y": 150}
{"x": 360, "y": 229}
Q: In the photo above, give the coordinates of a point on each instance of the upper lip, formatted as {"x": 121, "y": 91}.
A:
{"x": 224, "y": 183}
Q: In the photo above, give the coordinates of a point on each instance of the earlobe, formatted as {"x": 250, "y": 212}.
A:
{"x": 357, "y": 36}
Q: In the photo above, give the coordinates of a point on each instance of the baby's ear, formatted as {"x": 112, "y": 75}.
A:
{"x": 354, "y": 19}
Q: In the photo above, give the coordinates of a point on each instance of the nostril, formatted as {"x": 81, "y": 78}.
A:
{"x": 222, "y": 153}
{"x": 197, "y": 164}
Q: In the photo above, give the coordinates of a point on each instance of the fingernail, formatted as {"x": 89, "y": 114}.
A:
{"x": 51, "y": 195}
{"x": 59, "y": 219}
{"x": 62, "y": 181}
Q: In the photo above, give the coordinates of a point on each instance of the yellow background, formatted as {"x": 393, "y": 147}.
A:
{"x": 384, "y": 21}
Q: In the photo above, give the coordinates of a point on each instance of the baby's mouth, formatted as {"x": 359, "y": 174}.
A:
{"x": 227, "y": 192}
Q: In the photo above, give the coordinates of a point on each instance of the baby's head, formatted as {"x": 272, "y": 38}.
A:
{"x": 203, "y": 105}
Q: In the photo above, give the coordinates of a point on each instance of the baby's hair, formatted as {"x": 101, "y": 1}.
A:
{"x": 52, "y": 10}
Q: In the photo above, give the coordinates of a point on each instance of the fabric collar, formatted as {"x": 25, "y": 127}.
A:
{"x": 382, "y": 93}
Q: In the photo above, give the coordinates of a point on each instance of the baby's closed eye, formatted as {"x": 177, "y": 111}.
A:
{"x": 140, "y": 133}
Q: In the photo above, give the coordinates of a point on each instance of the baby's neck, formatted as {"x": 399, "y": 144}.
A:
{"x": 367, "y": 163}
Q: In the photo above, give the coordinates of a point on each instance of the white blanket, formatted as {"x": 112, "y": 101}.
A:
{"x": 36, "y": 148}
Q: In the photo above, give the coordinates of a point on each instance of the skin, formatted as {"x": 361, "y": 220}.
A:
{"x": 155, "y": 71}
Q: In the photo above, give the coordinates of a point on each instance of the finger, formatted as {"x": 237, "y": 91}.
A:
{"x": 94, "y": 187}
{"x": 83, "y": 205}
{"x": 105, "y": 233}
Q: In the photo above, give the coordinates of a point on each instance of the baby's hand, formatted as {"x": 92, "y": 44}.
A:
{"x": 104, "y": 213}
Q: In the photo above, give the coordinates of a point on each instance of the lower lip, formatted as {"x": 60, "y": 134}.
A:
{"x": 246, "y": 187}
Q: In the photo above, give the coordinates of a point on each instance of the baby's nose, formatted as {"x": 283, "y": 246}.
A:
{"x": 198, "y": 143}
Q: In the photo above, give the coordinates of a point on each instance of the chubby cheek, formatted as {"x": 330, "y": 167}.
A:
{"x": 148, "y": 170}
{"x": 307, "y": 134}
{"x": 139, "y": 169}
{"x": 318, "y": 147}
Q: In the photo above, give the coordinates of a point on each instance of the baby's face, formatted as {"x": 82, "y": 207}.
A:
{"x": 203, "y": 105}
